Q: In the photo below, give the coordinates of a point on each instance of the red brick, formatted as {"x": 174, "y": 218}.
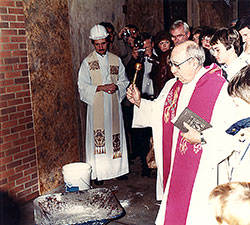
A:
{"x": 28, "y": 112}
{"x": 20, "y": 53}
{"x": 8, "y": 110}
{"x": 14, "y": 164}
{"x": 19, "y": 4}
{"x": 4, "y": 132}
{"x": 21, "y": 66}
{"x": 18, "y": 39}
{"x": 2, "y": 168}
{"x": 23, "y": 107}
{"x": 24, "y": 59}
{"x": 20, "y": 141}
{"x": 6, "y": 68}
{"x": 9, "y": 32}
{"x": 29, "y": 159}
{"x": 7, "y": 18}
{"x": 15, "y": 189}
{"x": 5, "y": 54}
{"x": 3, "y": 181}
{"x": 32, "y": 196}
{"x": 12, "y": 74}
{"x": 2, "y": 90}
{"x": 34, "y": 163}
{"x": 6, "y": 146}
{"x": 12, "y": 151}
{"x": 23, "y": 94}
{"x": 22, "y": 168}
{"x": 17, "y": 101}
{"x": 17, "y": 25}
{"x": 22, "y": 80}
{"x": 26, "y": 100}
{"x": 32, "y": 151}
{"x": 4, "y": 119}
{"x": 24, "y": 193}
{"x": 25, "y": 120}
{"x": 7, "y": 173}
{"x": 3, "y": 10}
{"x": 27, "y": 133}
{"x": 31, "y": 183}
{"x": 10, "y": 46}
{"x": 10, "y": 137}
{"x": 21, "y": 155}
{"x": 15, "y": 11}
{"x": 11, "y": 60}
{"x": 8, "y": 186}
{"x": 22, "y": 46}
{"x": 26, "y": 86}
{"x": 4, "y": 25}
{"x": 21, "y": 32}
{"x": 17, "y": 129}
{"x": 23, "y": 180}
{"x": 3, "y": 104}
{"x": 9, "y": 124}
{"x": 7, "y": 97}
{"x": 16, "y": 115}
{"x": 2, "y": 154}
{"x": 7, "y": 3}
{"x": 15, "y": 176}
{"x": 7, "y": 82}
{"x": 21, "y": 18}
{"x": 29, "y": 125}
{"x": 14, "y": 88}
{"x": 34, "y": 175}
{"x": 31, "y": 138}
{"x": 30, "y": 171}
{"x": 25, "y": 73}
{"x": 4, "y": 39}
{"x": 28, "y": 146}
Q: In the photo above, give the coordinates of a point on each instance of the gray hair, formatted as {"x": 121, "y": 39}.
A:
{"x": 197, "y": 52}
{"x": 179, "y": 23}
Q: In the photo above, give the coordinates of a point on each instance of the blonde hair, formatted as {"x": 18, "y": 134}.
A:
{"x": 231, "y": 203}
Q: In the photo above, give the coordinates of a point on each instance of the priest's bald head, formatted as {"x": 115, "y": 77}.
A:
{"x": 186, "y": 61}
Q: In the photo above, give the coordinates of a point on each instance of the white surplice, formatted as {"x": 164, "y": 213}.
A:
{"x": 103, "y": 165}
{"x": 217, "y": 147}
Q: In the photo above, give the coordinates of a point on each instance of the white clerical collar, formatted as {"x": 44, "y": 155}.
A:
{"x": 101, "y": 55}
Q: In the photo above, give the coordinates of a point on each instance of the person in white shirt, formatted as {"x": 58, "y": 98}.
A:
{"x": 102, "y": 86}
{"x": 226, "y": 48}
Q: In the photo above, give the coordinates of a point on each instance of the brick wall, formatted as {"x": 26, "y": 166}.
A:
{"x": 18, "y": 162}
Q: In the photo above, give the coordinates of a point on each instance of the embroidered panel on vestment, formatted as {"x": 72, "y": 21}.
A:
{"x": 114, "y": 70}
{"x": 94, "y": 65}
{"x": 99, "y": 139}
{"x": 116, "y": 146}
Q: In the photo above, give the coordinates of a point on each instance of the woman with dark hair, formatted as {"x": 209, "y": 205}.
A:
{"x": 161, "y": 72}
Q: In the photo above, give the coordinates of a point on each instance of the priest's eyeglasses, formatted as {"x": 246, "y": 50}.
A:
{"x": 179, "y": 64}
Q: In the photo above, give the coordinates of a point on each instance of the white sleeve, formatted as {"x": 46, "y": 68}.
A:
{"x": 86, "y": 89}
{"x": 122, "y": 81}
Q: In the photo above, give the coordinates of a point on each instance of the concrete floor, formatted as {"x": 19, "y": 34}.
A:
{"x": 136, "y": 195}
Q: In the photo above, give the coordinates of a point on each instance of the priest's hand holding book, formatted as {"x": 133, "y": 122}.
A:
{"x": 192, "y": 126}
{"x": 192, "y": 136}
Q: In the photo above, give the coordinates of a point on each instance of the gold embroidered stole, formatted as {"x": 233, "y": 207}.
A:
{"x": 98, "y": 106}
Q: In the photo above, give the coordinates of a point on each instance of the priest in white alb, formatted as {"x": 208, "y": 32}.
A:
{"x": 102, "y": 86}
{"x": 187, "y": 162}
